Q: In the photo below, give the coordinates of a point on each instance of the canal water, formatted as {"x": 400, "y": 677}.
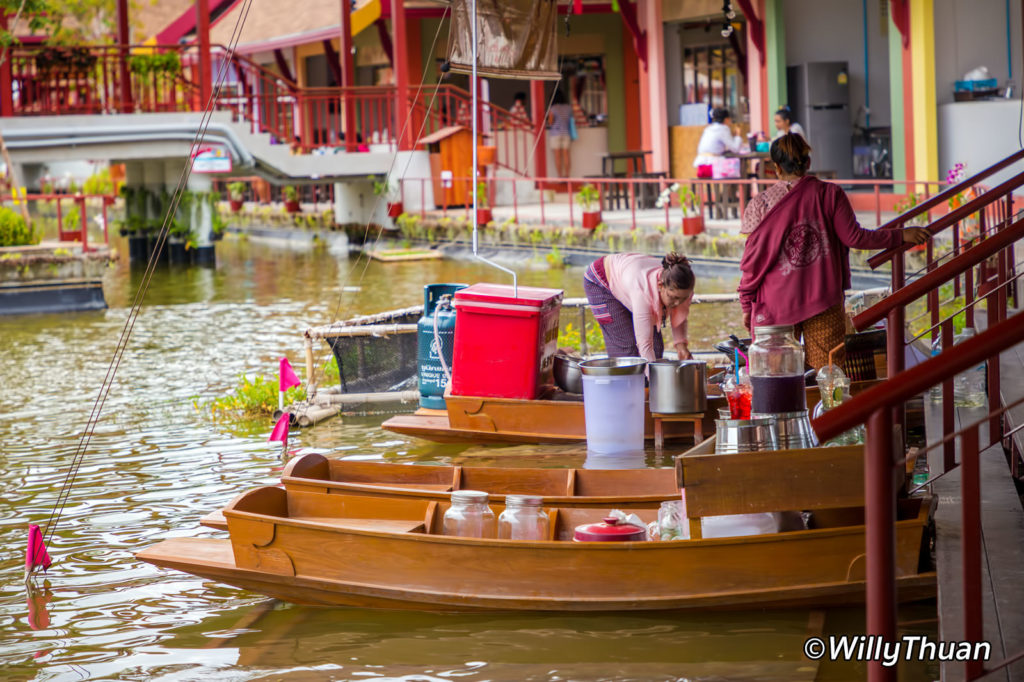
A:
{"x": 157, "y": 463}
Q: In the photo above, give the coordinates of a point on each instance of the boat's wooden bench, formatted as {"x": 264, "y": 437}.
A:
{"x": 775, "y": 481}
{"x": 660, "y": 419}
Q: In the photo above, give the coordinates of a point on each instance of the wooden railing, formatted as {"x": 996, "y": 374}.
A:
{"x": 991, "y": 251}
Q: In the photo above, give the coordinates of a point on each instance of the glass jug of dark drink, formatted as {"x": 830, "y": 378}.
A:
{"x": 776, "y": 371}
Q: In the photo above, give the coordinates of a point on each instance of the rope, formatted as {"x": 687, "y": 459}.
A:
{"x": 122, "y": 343}
{"x": 387, "y": 179}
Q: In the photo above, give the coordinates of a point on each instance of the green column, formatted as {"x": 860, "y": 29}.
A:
{"x": 775, "y": 55}
{"x": 896, "y": 100}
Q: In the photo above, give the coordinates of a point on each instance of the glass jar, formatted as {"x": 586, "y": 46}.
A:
{"x": 523, "y": 519}
{"x": 672, "y": 524}
{"x": 469, "y": 516}
{"x": 776, "y": 371}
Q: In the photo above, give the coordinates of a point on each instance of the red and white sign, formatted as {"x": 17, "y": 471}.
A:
{"x": 211, "y": 158}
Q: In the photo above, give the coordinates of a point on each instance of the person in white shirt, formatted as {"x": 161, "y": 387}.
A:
{"x": 717, "y": 139}
{"x": 784, "y": 124}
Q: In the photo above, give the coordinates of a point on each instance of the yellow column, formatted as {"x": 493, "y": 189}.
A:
{"x": 922, "y": 55}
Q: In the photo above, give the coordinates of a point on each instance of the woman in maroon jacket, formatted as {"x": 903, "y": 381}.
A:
{"x": 796, "y": 263}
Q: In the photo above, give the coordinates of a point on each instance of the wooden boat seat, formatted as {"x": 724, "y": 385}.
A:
{"x": 386, "y": 525}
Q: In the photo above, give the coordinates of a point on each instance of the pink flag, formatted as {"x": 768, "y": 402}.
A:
{"x": 280, "y": 431}
{"x": 36, "y": 554}
{"x": 287, "y": 378}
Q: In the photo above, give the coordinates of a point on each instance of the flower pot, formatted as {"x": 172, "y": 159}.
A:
{"x": 291, "y": 206}
{"x": 591, "y": 219}
{"x": 236, "y": 205}
{"x": 693, "y": 226}
{"x": 395, "y": 209}
{"x": 483, "y": 216}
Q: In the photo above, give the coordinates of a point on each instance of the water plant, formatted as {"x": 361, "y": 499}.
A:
{"x": 254, "y": 396}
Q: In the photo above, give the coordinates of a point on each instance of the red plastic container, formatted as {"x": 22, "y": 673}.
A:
{"x": 505, "y": 345}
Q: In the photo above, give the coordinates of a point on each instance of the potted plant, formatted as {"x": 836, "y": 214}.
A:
{"x": 587, "y": 198}
{"x": 483, "y": 208}
{"x": 236, "y": 195}
{"x": 383, "y": 190}
{"x": 689, "y": 201}
{"x": 291, "y": 199}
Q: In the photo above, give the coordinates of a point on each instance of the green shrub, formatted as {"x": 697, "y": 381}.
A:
{"x": 99, "y": 183}
{"x": 14, "y": 231}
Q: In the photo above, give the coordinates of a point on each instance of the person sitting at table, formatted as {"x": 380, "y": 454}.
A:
{"x": 784, "y": 123}
{"x": 632, "y": 294}
{"x": 718, "y": 138}
{"x": 519, "y": 107}
{"x": 796, "y": 263}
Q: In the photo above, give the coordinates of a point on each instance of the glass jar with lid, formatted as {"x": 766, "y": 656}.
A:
{"x": 776, "y": 363}
{"x": 469, "y": 516}
{"x": 523, "y": 519}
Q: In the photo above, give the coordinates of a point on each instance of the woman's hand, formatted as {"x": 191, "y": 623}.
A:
{"x": 683, "y": 350}
{"x": 916, "y": 235}
{"x": 746, "y": 321}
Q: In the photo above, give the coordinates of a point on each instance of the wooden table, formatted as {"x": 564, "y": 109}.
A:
{"x": 697, "y": 418}
{"x": 644, "y": 195}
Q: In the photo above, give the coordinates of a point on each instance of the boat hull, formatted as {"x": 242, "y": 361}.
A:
{"x": 213, "y": 559}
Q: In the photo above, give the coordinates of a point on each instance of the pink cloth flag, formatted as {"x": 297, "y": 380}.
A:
{"x": 287, "y": 378}
{"x": 280, "y": 432}
{"x": 36, "y": 554}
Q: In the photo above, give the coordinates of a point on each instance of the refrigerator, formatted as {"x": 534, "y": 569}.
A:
{"x": 819, "y": 95}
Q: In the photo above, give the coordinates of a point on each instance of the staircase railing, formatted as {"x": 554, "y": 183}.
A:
{"x": 991, "y": 251}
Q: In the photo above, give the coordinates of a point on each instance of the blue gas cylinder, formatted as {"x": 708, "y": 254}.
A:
{"x": 435, "y": 333}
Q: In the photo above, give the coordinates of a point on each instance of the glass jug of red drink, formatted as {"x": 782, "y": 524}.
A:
{"x": 776, "y": 371}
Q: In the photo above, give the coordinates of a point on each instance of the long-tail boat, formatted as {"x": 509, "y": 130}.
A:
{"x": 597, "y": 488}
{"x": 367, "y": 551}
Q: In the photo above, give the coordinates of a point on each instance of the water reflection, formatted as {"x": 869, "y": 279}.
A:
{"x": 156, "y": 465}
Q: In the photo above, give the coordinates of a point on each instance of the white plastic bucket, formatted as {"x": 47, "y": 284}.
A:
{"x": 614, "y": 411}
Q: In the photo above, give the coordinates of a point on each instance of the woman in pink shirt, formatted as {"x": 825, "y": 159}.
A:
{"x": 632, "y": 294}
{"x": 796, "y": 263}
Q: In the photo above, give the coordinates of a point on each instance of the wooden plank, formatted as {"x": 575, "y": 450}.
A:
{"x": 780, "y": 480}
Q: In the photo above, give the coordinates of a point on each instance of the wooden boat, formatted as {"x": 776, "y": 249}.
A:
{"x": 366, "y": 551}
{"x": 556, "y": 419}
{"x": 620, "y": 489}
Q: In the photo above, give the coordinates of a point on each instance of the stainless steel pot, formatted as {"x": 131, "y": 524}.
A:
{"x": 678, "y": 387}
{"x": 568, "y": 375}
{"x": 793, "y": 429}
{"x": 613, "y": 366}
{"x": 745, "y": 435}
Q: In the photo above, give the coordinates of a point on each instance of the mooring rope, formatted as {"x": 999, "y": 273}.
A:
{"x": 140, "y": 294}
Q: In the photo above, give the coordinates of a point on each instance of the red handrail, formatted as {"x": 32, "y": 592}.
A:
{"x": 942, "y": 274}
{"x": 912, "y": 382}
{"x": 934, "y": 201}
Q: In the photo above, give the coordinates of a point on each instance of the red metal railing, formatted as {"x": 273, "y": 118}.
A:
{"x": 991, "y": 250}
{"x": 89, "y": 207}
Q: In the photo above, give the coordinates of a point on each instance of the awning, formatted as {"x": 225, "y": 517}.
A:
{"x": 516, "y": 38}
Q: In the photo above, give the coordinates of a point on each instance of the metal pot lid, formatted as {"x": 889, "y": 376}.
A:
{"x": 609, "y": 530}
{"x": 613, "y": 366}
{"x": 773, "y": 329}
{"x": 470, "y": 496}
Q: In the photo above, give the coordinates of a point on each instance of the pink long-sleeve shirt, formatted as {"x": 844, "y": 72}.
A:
{"x": 633, "y": 280}
{"x": 796, "y": 263}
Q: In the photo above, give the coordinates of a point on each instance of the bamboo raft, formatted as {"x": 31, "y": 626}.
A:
{"x": 388, "y": 552}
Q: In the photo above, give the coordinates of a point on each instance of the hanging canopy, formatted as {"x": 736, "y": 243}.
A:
{"x": 516, "y": 38}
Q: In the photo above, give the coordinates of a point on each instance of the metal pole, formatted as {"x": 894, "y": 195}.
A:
{"x": 970, "y": 543}
{"x": 123, "y": 40}
{"x": 474, "y": 96}
{"x": 879, "y": 517}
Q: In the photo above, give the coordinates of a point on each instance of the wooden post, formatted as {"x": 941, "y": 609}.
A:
{"x": 123, "y": 41}
{"x": 348, "y": 79}
{"x": 6, "y": 76}
{"x": 203, "y": 35}
{"x": 538, "y": 109}
{"x": 403, "y": 134}
{"x": 880, "y": 539}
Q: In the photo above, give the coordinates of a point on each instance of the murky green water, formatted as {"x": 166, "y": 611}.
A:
{"x": 156, "y": 465}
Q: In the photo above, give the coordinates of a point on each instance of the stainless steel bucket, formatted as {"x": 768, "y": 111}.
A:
{"x": 678, "y": 387}
{"x": 745, "y": 435}
{"x": 793, "y": 429}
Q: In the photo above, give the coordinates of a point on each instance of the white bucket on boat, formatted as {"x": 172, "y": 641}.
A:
{"x": 613, "y": 405}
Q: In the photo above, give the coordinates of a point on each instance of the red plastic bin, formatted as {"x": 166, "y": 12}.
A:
{"x": 504, "y": 344}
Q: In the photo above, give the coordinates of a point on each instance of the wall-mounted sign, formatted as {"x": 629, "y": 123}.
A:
{"x": 211, "y": 158}
{"x": 446, "y": 178}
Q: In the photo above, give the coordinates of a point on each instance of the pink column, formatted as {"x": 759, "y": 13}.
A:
{"x": 653, "y": 81}
{"x": 205, "y": 68}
